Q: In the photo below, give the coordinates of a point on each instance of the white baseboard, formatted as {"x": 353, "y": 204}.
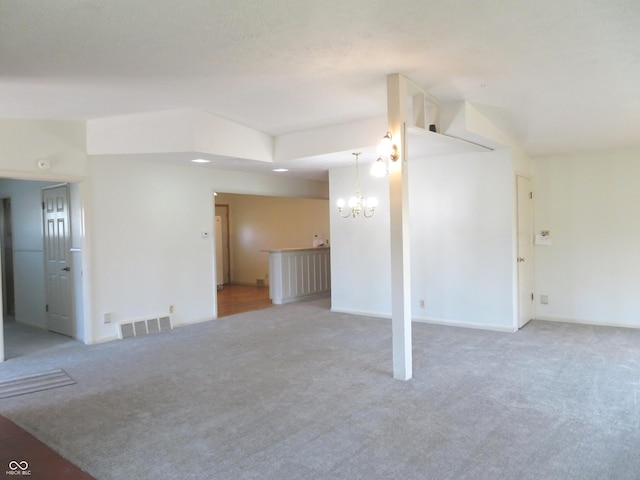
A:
{"x": 193, "y": 322}
{"x": 105, "y": 339}
{"x": 586, "y": 321}
{"x": 434, "y": 321}
{"x": 31, "y": 324}
{"x": 461, "y": 324}
{"x": 303, "y": 298}
{"x": 110, "y": 338}
{"x": 363, "y": 313}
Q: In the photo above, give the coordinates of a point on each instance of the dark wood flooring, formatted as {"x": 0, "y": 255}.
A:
{"x": 234, "y": 299}
{"x": 22, "y": 455}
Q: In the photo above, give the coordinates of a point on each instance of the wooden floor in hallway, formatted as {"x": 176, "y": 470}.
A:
{"x": 234, "y": 299}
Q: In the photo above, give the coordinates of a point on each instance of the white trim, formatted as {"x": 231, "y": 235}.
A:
{"x": 515, "y": 273}
{"x": 110, "y": 338}
{"x": 313, "y": 296}
{"x": 193, "y": 322}
{"x": 520, "y": 173}
{"x": 363, "y": 313}
{"x": 461, "y": 324}
{"x": 586, "y": 321}
{"x": 34, "y": 325}
{"x": 105, "y": 339}
{"x": 433, "y": 321}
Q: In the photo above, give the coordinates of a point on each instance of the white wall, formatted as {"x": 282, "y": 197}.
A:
{"x": 591, "y": 205}
{"x": 462, "y": 242}
{"x": 360, "y": 262}
{"x": 147, "y": 250}
{"x": 258, "y": 223}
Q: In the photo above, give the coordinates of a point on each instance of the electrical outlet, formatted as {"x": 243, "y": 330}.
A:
{"x": 106, "y": 318}
{"x": 544, "y": 299}
{"x": 170, "y": 308}
{"x": 421, "y": 303}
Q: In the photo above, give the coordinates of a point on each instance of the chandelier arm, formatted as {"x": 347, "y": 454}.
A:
{"x": 341, "y": 210}
{"x": 357, "y": 203}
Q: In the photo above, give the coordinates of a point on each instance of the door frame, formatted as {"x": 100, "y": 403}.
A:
{"x": 8, "y": 296}
{"x": 226, "y": 253}
{"x": 519, "y": 298}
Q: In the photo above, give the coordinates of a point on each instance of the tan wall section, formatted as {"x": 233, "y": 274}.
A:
{"x": 258, "y": 223}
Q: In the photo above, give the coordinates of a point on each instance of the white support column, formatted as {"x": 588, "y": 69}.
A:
{"x": 1, "y": 322}
{"x": 400, "y": 235}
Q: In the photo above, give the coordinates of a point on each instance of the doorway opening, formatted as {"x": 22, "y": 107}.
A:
{"x": 233, "y": 298}
{"x": 254, "y": 225}
{"x": 24, "y": 321}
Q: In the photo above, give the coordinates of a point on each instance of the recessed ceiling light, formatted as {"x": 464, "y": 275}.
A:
{"x": 200, "y": 160}
{"x": 280, "y": 169}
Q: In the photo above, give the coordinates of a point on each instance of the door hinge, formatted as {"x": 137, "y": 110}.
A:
{"x": 46, "y": 308}
{"x": 532, "y": 296}
{"x": 531, "y": 195}
{"x": 43, "y": 205}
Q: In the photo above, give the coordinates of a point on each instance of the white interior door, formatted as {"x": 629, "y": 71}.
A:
{"x": 57, "y": 241}
{"x": 525, "y": 250}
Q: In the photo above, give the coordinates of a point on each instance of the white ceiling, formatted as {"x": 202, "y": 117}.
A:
{"x": 561, "y": 75}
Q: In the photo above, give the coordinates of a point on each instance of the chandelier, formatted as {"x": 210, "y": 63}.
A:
{"x": 357, "y": 204}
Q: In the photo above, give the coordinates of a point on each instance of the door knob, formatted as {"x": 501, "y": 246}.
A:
{"x": 66, "y": 269}
{"x": 520, "y": 259}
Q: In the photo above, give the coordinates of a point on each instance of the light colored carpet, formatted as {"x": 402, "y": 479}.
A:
{"x": 298, "y": 392}
{"x": 36, "y": 382}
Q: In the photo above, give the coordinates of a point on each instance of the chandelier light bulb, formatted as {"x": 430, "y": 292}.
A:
{"x": 372, "y": 202}
{"x": 388, "y": 149}
{"x": 378, "y": 169}
{"x": 353, "y": 202}
{"x": 385, "y": 147}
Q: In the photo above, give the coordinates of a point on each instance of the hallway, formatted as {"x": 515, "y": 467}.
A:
{"x": 21, "y": 340}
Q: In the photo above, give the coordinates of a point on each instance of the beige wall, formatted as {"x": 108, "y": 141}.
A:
{"x": 258, "y": 223}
